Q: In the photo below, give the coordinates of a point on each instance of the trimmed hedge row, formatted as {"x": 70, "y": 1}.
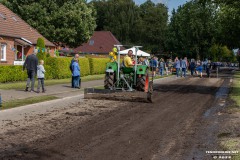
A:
{"x": 59, "y": 67}
{"x": 98, "y": 65}
{"x": 12, "y": 73}
{"x": 56, "y": 68}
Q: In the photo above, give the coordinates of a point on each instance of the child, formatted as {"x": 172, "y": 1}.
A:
{"x": 40, "y": 76}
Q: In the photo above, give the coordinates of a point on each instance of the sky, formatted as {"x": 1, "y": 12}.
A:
{"x": 169, "y": 3}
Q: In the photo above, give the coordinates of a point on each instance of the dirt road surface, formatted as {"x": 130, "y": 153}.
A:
{"x": 77, "y": 129}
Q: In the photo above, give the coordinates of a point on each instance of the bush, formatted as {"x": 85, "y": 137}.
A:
{"x": 40, "y": 43}
{"x": 12, "y": 74}
{"x": 98, "y": 65}
{"x": 42, "y": 49}
{"x": 56, "y": 68}
{"x": 59, "y": 67}
{"x": 221, "y": 53}
{"x": 84, "y": 66}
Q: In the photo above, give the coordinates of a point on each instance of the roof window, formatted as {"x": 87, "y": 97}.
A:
{"x": 14, "y": 18}
{"x": 3, "y": 16}
{"x": 91, "y": 42}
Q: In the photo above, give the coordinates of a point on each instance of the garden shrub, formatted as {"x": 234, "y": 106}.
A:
{"x": 98, "y": 65}
{"x": 59, "y": 67}
{"x": 56, "y": 68}
{"x": 84, "y": 66}
{"x": 41, "y": 49}
{"x": 12, "y": 74}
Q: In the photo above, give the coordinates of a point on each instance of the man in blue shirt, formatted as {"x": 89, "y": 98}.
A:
{"x": 71, "y": 69}
{"x": 184, "y": 66}
{"x": 153, "y": 65}
{"x": 177, "y": 65}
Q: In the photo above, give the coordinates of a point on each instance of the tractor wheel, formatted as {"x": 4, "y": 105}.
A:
{"x": 142, "y": 81}
{"x": 109, "y": 80}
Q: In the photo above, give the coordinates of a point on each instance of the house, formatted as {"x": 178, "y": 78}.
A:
{"x": 101, "y": 42}
{"x": 17, "y": 38}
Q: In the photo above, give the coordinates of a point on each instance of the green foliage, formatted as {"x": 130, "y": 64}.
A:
{"x": 84, "y": 66}
{"x": 41, "y": 49}
{"x": 133, "y": 24}
{"x": 71, "y": 22}
{"x": 98, "y": 65}
{"x": 154, "y": 18}
{"x": 41, "y": 43}
{"x": 59, "y": 67}
{"x": 221, "y": 53}
{"x": 227, "y": 25}
{"x": 192, "y": 28}
{"x": 12, "y": 74}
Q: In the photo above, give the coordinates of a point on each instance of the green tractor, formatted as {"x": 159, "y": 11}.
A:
{"x": 131, "y": 82}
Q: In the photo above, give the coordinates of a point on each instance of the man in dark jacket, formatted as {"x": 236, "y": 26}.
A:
{"x": 208, "y": 68}
{"x": 31, "y": 64}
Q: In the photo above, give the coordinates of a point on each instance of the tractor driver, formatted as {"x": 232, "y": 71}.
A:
{"x": 127, "y": 61}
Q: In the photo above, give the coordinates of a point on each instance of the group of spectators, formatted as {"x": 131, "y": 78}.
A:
{"x": 180, "y": 66}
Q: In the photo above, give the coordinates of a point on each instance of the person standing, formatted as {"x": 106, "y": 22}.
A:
{"x": 153, "y": 65}
{"x": 192, "y": 66}
{"x": 76, "y": 74}
{"x": 199, "y": 68}
{"x": 184, "y": 67}
{"x": 75, "y": 57}
{"x": 177, "y": 66}
{"x": 208, "y": 68}
{"x": 40, "y": 75}
{"x": 31, "y": 64}
{"x": 161, "y": 67}
{"x": 170, "y": 66}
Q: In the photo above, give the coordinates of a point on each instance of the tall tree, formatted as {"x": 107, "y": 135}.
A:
{"x": 67, "y": 21}
{"x": 192, "y": 29}
{"x": 154, "y": 19}
{"x": 132, "y": 24}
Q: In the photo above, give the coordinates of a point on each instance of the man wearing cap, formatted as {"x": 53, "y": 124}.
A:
{"x": 31, "y": 64}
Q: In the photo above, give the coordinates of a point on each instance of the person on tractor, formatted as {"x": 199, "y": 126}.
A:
{"x": 127, "y": 60}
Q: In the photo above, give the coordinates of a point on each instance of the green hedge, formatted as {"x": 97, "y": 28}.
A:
{"x": 98, "y": 65}
{"x": 12, "y": 74}
{"x": 84, "y": 66}
{"x": 59, "y": 67}
{"x": 56, "y": 68}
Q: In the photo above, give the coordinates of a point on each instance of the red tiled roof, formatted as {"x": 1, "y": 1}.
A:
{"x": 11, "y": 25}
{"x": 100, "y": 42}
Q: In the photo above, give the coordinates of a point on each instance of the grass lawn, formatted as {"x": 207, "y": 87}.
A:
{"x": 235, "y": 93}
{"x": 21, "y": 85}
{"x": 228, "y": 142}
{"x": 22, "y": 102}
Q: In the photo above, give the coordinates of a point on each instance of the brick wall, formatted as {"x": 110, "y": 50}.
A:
{"x": 10, "y": 56}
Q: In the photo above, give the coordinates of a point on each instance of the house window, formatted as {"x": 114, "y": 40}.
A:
{"x": 19, "y": 53}
{"x": 91, "y": 42}
{"x": 3, "y": 52}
